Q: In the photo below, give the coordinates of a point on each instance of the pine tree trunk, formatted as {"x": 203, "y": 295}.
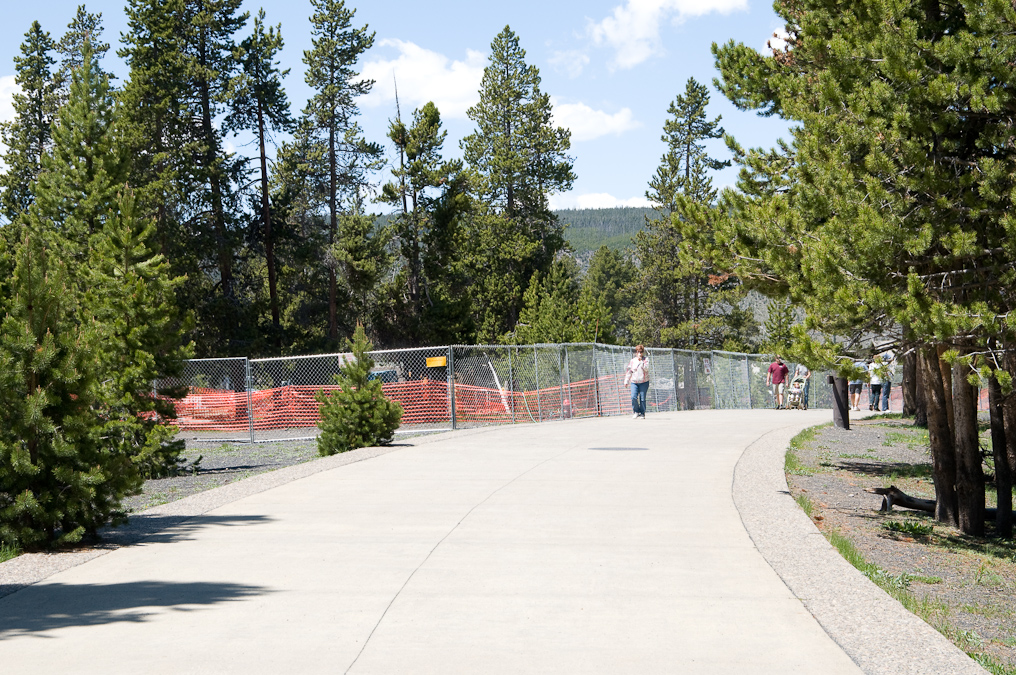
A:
{"x": 913, "y": 402}
{"x": 943, "y": 457}
{"x": 1003, "y": 476}
{"x": 946, "y": 386}
{"x": 266, "y": 211}
{"x": 969, "y": 475}
{"x": 214, "y": 180}
{"x": 333, "y": 226}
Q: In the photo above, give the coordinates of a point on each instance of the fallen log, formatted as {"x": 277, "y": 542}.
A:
{"x": 893, "y": 496}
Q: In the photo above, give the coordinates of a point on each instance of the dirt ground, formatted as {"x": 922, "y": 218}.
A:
{"x": 964, "y": 586}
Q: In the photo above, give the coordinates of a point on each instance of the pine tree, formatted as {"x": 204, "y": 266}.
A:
{"x": 59, "y": 482}
{"x": 681, "y": 302}
{"x": 84, "y": 30}
{"x": 683, "y": 167}
{"x": 77, "y": 186}
{"x": 426, "y": 223}
{"x": 211, "y": 66}
{"x": 519, "y": 159}
{"x": 778, "y": 326}
{"x": 362, "y": 256}
{"x": 259, "y": 102}
{"x": 888, "y": 212}
{"x": 342, "y": 155}
{"x": 357, "y": 414}
{"x": 557, "y": 310}
{"x": 132, "y": 303}
{"x": 608, "y": 277}
{"x": 27, "y": 136}
{"x": 156, "y": 122}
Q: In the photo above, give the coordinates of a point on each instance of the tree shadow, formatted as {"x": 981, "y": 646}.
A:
{"x": 164, "y": 529}
{"x": 51, "y": 606}
{"x": 874, "y": 468}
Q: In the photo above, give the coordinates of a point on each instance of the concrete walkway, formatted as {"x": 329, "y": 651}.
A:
{"x": 588, "y": 546}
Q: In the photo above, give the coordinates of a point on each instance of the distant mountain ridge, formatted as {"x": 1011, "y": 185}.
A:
{"x": 588, "y": 229}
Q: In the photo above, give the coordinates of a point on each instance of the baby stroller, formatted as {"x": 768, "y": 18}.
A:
{"x": 795, "y": 394}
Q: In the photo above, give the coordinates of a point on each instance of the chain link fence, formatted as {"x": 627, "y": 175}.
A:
{"x": 255, "y": 400}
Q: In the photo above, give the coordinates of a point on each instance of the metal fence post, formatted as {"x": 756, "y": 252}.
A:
{"x": 596, "y": 380}
{"x": 673, "y": 365}
{"x": 747, "y": 378}
{"x": 567, "y": 379}
{"x": 511, "y": 382}
{"x": 536, "y": 369}
{"x": 250, "y": 403}
{"x": 451, "y": 383}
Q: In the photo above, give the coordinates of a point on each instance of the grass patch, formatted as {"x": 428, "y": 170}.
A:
{"x": 898, "y": 586}
{"x": 931, "y": 611}
{"x": 792, "y": 464}
{"x": 991, "y": 665}
{"x": 806, "y": 437}
{"x": 869, "y": 455}
{"x": 8, "y": 552}
{"x": 806, "y": 504}
{"x": 908, "y": 527}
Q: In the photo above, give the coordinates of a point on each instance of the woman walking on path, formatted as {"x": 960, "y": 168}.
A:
{"x": 637, "y": 375}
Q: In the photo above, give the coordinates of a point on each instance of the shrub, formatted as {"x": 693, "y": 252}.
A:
{"x": 357, "y": 414}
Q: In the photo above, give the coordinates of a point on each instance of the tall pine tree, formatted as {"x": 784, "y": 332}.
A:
{"x": 340, "y": 154}
{"x": 27, "y": 137}
{"x": 681, "y": 303}
{"x": 259, "y": 103}
{"x": 519, "y": 158}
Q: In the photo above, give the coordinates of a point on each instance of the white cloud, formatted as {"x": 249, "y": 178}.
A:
{"x": 570, "y": 62}
{"x": 423, "y": 76}
{"x": 586, "y": 123}
{"x": 7, "y": 90}
{"x": 594, "y": 200}
{"x": 633, "y": 29}
{"x": 777, "y": 42}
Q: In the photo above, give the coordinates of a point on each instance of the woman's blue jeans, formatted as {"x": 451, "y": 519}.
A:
{"x": 638, "y": 397}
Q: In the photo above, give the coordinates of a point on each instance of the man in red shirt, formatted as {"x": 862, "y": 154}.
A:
{"x": 777, "y": 378}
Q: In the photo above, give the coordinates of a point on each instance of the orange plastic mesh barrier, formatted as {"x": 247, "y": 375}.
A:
{"x": 423, "y": 402}
{"x": 294, "y": 407}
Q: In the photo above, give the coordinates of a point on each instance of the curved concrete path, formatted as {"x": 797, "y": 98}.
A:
{"x": 588, "y": 546}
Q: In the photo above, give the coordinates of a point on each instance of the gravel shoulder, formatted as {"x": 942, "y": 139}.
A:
{"x": 219, "y": 464}
{"x": 964, "y": 586}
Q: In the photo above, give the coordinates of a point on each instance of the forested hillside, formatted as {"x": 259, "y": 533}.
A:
{"x": 588, "y": 229}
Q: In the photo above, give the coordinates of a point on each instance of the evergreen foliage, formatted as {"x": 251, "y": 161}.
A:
{"x": 357, "y": 415}
{"x": 681, "y": 301}
{"x": 779, "y": 326}
{"x": 429, "y": 195}
{"x": 557, "y": 309}
{"x": 131, "y": 302}
{"x": 610, "y": 276}
{"x": 888, "y": 211}
{"x": 259, "y": 102}
{"x": 57, "y": 480}
{"x": 518, "y": 158}
{"x": 338, "y": 153}
{"x": 27, "y": 137}
{"x": 80, "y": 176}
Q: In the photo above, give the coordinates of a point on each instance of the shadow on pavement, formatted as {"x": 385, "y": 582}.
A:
{"x": 51, "y": 606}
{"x": 163, "y": 529}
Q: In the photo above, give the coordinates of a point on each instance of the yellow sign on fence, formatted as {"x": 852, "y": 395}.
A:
{"x": 437, "y": 361}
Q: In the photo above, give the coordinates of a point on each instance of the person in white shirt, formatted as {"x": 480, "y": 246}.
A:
{"x": 889, "y": 372}
{"x": 637, "y": 374}
{"x": 875, "y": 371}
{"x": 804, "y": 372}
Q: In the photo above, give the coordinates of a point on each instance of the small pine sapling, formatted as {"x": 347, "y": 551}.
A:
{"x": 357, "y": 414}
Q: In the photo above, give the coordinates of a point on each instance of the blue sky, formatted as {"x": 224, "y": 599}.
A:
{"x": 611, "y": 68}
